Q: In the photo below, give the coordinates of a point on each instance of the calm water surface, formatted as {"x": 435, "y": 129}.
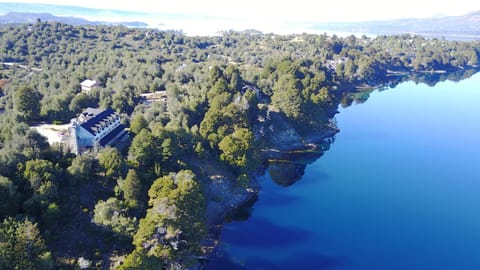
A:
{"x": 398, "y": 189}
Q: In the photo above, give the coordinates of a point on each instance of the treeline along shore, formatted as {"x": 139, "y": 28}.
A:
{"x": 204, "y": 116}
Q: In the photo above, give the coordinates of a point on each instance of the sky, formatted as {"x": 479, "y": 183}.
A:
{"x": 278, "y": 14}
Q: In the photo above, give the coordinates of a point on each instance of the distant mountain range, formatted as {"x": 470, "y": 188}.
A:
{"x": 28, "y": 17}
{"x": 451, "y": 27}
{"x": 455, "y": 27}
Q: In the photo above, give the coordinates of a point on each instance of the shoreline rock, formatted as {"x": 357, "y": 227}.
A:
{"x": 225, "y": 197}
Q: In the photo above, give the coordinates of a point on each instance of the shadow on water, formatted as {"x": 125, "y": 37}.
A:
{"x": 297, "y": 261}
{"x": 278, "y": 198}
{"x": 253, "y": 233}
{"x": 243, "y": 212}
{"x": 291, "y": 166}
{"x": 286, "y": 173}
{"x": 303, "y": 261}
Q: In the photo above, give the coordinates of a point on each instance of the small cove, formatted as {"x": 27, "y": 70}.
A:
{"x": 398, "y": 189}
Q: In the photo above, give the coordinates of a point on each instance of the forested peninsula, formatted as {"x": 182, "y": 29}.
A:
{"x": 228, "y": 107}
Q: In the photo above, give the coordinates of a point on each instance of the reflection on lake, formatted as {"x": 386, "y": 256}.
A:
{"x": 398, "y": 189}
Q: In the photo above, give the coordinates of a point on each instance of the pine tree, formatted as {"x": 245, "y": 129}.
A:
{"x": 22, "y": 247}
{"x": 132, "y": 189}
{"x": 112, "y": 162}
{"x": 27, "y": 103}
{"x": 138, "y": 123}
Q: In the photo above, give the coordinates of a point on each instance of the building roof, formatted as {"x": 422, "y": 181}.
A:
{"x": 90, "y": 124}
{"x": 88, "y": 83}
{"x": 112, "y": 135}
{"x": 90, "y": 112}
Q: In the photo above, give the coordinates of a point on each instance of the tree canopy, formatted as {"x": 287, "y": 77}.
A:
{"x": 22, "y": 247}
{"x": 217, "y": 105}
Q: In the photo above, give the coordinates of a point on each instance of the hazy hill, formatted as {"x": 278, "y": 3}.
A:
{"x": 31, "y": 17}
{"x": 466, "y": 26}
{"x": 451, "y": 27}
{"x": 27, "y": 17}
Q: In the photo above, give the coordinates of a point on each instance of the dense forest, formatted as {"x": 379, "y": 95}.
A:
{"x": 232, "y": 98}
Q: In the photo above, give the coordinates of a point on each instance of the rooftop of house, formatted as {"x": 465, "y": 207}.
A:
{"x": 88, "y": 83}
{"x": 91, "y": 112}
{"x": 113, "y": 134}
{"x": 94, "y": 119}
{"x": 156, "y": 94}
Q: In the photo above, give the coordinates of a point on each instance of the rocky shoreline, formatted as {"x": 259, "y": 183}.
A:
{"x": 284, "y": 152}
{"x": 224, "y": 197}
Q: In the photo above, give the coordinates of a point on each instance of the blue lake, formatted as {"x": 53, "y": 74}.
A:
{"x": 398, "y": 189}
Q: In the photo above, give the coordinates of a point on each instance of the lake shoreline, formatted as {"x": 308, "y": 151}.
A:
{"x": 311, "y": 144}
{"x": 288, "y": 149}
{"x": 382, "y": 185}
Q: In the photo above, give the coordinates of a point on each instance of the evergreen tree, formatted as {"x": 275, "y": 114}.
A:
{"x": 112, "y": 162}
{"x": 81, "y": 169}
{"x": 286, "y": 96}
{"x": 22, "y": 246}
{"x": 138, "y": 123}
{"x": 175, "y": 223}
{"x": 140, "y": 260}
{"x": 9, "y": 198}
{"x": 27, "y": 103}
{"x": 113, "y": 215}
{"x": 144, "y": 149}
{"x": 236, "y": 147}
{"x": 132, "y": 189}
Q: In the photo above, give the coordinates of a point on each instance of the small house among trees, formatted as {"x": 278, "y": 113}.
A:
{"x": 88, "y": 85}
{"x": 157, "y": 96}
